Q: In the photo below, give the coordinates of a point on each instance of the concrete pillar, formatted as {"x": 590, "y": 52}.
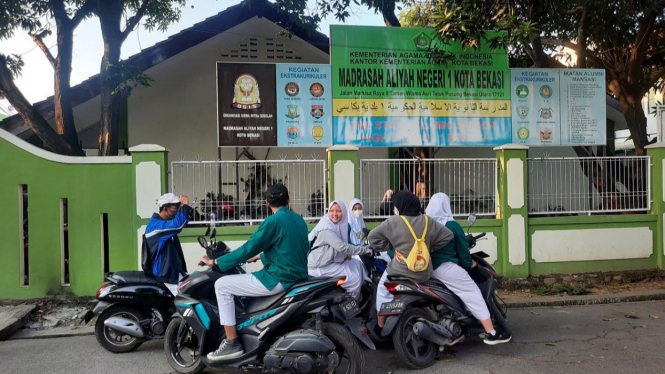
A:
{"x": 343, "y": 166}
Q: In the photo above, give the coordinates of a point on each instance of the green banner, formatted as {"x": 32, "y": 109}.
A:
{"x": 389, "y": 91}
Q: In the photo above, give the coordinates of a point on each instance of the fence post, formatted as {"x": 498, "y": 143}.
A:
{"x": 149, "y": 179}
{"x": 513, "y": 252}
{"x": 657, "y": 154}
{"x": 343, "y": 181}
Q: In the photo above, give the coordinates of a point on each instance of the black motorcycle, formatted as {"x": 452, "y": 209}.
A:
{"x": 134, "y": 307}
{"x": 424, "y": 318}
{"x": 309, "y": 328}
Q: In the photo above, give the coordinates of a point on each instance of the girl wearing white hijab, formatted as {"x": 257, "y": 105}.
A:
{"x": 331, "y": 252}
{"x": 451, "y": 264}
{"x": 357, "y": 224}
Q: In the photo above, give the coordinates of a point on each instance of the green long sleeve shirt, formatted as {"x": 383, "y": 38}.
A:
{"x": 282, "y": 241}
{"x": 456, "y": 251}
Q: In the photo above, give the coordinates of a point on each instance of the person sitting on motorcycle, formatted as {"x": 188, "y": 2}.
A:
{"x": 452, "y": 263}
{"x": 394, "y": 233}
{"x": 165, "y": 260}
{"x": 282, "y": 237}
{"x": 357, "y": 225}
{"x": 331, "y": 252}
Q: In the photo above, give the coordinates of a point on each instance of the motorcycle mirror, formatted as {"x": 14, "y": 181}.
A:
{"x": 472, "y": 219}
{"x": 202, "y": 241}
{"x": 207, "y": 231}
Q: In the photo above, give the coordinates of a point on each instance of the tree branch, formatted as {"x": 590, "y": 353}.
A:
{"x": 39, "y": 40}
{"x": 657, "y": 75}
{"x": 645, "y": 26}
{"x": 59, "y": 11}
{"x": 133, "y": 21}
{"x": 574, "y": 11}
{"x": 87, "y": 8}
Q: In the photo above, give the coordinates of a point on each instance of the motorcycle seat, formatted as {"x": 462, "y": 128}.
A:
{"x": 256, "y": 304}
{"x": 398, "y": 278}
{"x": 135, "y": 277}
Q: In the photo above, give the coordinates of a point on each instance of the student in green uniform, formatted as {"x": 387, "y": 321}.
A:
{"x": 281, "y": 244}
{"x": 452, "y": 263}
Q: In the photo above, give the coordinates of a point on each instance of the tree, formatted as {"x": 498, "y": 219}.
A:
{"x": 624, "y": 38}
{"x": 29, "y": 15}
{"x": 117, "y": 79}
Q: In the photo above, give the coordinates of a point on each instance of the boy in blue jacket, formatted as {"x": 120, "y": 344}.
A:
{"x": 166, "y": 260}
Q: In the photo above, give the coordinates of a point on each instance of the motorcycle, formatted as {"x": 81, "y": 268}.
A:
{"x": 134, "y": 307}
{"x": 309, "y": 328}
{"x": 425, "y": 318}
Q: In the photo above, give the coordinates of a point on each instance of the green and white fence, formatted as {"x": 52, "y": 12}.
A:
{"x": 69, "y": 220}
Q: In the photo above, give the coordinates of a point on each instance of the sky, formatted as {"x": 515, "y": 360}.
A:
{"x": 36, "y": 82}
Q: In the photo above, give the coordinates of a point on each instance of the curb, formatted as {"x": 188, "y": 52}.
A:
{"x": 623, "y": 297}
{"x": 12, "y": 319}
{"x": 51, "y": 334}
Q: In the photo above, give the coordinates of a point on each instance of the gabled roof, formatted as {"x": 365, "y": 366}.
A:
{"x": 175, "y": 44}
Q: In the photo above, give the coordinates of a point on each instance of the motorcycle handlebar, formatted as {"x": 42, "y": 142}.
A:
{"x": 479, "y": 236}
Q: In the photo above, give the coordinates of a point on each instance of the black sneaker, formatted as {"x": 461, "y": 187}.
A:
{"x": 227, "y": 350}
{"x": 498, "y": 338}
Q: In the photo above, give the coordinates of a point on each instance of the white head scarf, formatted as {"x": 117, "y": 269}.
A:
{"x": 340, "y": 228}
{"x": 439, "y": 208}
{"x": 357, "y": 224}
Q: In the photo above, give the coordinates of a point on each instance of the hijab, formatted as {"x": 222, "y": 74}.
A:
{"x": 357, "y": 224}
{"x": 341, "y": 228}
{"x": 439, "y": 208}
{"x": 406, "y": 203}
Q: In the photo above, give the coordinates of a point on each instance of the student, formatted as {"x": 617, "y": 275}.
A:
{"x": 331, "y": 253}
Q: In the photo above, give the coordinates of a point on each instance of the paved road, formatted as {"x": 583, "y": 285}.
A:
{"x": 547, "y": 340}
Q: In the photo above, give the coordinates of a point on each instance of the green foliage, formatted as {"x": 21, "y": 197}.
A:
{"x": 128, "y": 77}
{"x": 159, "y": 14}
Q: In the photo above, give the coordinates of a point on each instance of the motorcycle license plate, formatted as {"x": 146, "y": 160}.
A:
{"x": 392, "y": 307}
{"x": 350, "y": 308}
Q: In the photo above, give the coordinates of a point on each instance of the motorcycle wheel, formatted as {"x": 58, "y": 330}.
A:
{"x": 191, "y": 362}
{"x": 114, "y": 341}
{"x": 351, "y": 358}
{"x": 413, "y": 351}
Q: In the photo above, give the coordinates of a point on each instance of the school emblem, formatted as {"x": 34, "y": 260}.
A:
{"x": 317, "y": 133}
{"x": 523, "y": 133}
{"x": 246, "y": 92}
{"x": 522, "y": 91}
{"x": 293, "y": 133}
{"x": 292, "y": 111}
{"x": 317, "y": 111}
{"x": 546, "y": 134}
{"x": 292, "y": 89}
{"x": 546, "y": 113}
{"x": 422, "y": 41}
{"x": 316, "y": 89}
{"x": 522, "y": 111}
{"x": 546, "y": 92}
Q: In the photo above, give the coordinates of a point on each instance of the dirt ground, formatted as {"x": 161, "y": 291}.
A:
{"x": 595, "y": 290}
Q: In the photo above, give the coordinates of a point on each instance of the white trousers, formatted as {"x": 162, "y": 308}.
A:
{"x": 459, "y": 281}
{"x": 382, "y": 294}
{"x": 174, "y": 287}
{"x": 352, "y": 269}
{"x": 238, "y": 285}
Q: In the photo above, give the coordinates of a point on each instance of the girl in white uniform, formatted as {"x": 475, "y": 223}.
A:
{"x": 331, "y": 254}
{"x": 357, "y": 224}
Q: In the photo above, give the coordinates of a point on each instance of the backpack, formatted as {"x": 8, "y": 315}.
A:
{"x": 418, "y": 259}
{"x": 146, "y": 259}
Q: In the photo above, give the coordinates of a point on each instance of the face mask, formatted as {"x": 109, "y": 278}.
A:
{"x": 396, "y": 211}
{"x": 357, "y": 213}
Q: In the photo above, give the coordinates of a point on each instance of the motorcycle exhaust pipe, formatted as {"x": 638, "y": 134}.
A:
{"x": 430, "y": 332}
{"x": 125, "y": 326}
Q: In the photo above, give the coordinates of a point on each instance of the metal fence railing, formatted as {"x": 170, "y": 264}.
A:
{"x": 234, "y": 190}
{"x": 560, "y": 186}
{"x": 471, "y": 184}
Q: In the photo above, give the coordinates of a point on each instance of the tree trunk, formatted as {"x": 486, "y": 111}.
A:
{"x": 31, "y": 117}
{"x": 110, "y": 15}
{"x": 62, "y": 100}
{"x": 388, "y": 12}
{"x": 631, "y": 107}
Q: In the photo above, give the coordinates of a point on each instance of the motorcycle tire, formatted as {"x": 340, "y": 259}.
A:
{"x": 171, "y": 348}
{"x": 112, "y": 340}
{"x": 414, "y": 352}
{"x": 497, "y": 317}
{"x": 352, "y": 360}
